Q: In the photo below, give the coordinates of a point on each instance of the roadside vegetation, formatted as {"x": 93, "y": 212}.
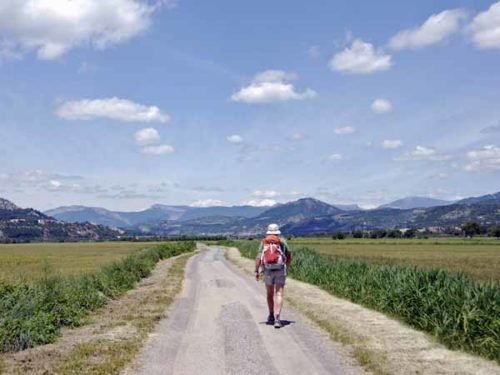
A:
{"x": 477, "y": 257}
{"x": 32, "y": 313}
{"x": 459, "y": 311}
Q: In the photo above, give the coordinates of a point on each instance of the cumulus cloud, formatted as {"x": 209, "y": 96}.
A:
{"x": 423, "y": 153}
{"x": 266, "y": 193}
{"x": 52, "y": 28}
{"x": 235, "y": 139}
{"x": 111, "y": 108}
{"x": 259, "y": 202}
{"x": 485, "y": 28}
{"x": 207, "y": 203}
{"x": 158, "y": 150}
{"x": 435, "y": 29}
{"x": 345, "y": 130}
{"x": 147, "y": 136}
{"x": 271, "y": 86}
{"x": 484, "y": 159}
{"x": 360, "y": 58}
{"x": 381, "y": 105}
{"x": 391, "y": 143}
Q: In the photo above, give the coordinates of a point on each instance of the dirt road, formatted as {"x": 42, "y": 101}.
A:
{"x": 217, "y": 327}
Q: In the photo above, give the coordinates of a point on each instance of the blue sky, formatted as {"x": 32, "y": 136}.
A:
{"x": 126, "y": 103}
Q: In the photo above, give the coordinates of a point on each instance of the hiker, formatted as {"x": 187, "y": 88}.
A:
{"x": 274, "y": 257}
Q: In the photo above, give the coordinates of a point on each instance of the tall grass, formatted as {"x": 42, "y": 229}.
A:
{"x": 32, "y": 314}
{"x": 462, "y": 313}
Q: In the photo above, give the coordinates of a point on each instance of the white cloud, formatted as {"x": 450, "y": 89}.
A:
{"x": 235, "y": 138}
{"x": 271, "y": 86}
{"x": 423, "y": 153}
{"x": 485, "y": 28}
{"x": 158, "y": 150}
{"x": 435, "y": 29}
{"x": 147, "y": 136}
{"x": 55, "y": 183}
{"x": 207, "y": 203}
{"x": 391, "y": 143}
{"x": 345, "y": 130}
{"x": 266, "y": 194}
{"x": 381, "y": 105}
{"x": 111, "y": 108}
{"x": 484, "y": 159}
{"x": 360, "y": 58}
{"x": 335, "y": 157}
{"x": 52, "y": 28}
{"x": 259, "y": 202}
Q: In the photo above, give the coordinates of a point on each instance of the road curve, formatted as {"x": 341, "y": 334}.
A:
{"x": 217, "y": 327}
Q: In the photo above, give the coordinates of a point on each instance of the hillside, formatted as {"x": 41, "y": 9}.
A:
{"x": 415, "y": 202}
{"x": 149, "y": 217}
{"x": 19, "y": 225}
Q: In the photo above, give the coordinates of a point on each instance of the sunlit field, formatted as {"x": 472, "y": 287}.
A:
{"x": 28, "y": 261}
{"x": 477, "y": 257}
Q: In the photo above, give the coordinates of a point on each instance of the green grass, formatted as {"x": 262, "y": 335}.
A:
{"x": 459, "y": 311}
{"x": 28, "y": 262}
{"x": 478, "y": 258}
{"x": 33, "y": 313}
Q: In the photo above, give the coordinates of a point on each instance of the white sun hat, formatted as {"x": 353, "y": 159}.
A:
{"x": 273, "y": 229}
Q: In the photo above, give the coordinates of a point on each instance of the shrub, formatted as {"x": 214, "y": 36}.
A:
{"x": 32, "y": 314}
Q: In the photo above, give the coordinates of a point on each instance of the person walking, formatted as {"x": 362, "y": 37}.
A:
{"x": 274, "y": 257}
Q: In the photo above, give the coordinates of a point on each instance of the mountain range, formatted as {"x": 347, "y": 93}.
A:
{"x": 305, "y": 216}
{"x": 159, "y": 213}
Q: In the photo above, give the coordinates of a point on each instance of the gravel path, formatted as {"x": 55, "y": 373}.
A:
{"x": 217, "y": 327}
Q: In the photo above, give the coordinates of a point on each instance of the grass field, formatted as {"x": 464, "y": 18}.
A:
{"x": 458, "y": 310}
{"x": 478, "y": 258}
{"x": 27, "y": 262}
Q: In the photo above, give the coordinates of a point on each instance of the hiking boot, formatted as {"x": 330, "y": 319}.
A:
{"x": 277, "y": 323}
{"x": 270, "y": 319}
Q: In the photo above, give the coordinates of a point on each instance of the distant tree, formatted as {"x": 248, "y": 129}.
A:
{"x": 338, "y": 236}
{"x": 410, "y": 233}
{"x": 494, "y": 231}
{"x": 395, "y": 233}
{"x": 471, "y": 228}
{"x": 357, "y": 234}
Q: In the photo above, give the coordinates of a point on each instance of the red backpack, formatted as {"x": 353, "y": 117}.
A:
{"x": 272, "y": 253}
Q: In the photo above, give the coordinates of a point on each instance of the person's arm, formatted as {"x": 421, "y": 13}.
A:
{"x": 288, "y": 253}
{"x": 258, "y": 262}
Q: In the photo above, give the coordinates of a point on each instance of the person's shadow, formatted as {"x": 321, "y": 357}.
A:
{"x": 284, "y": 323}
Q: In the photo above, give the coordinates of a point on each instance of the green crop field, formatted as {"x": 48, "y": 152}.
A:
{"x": 458, "y": 310}
{"x": 478, "y": 258}
{"x": 28, "y": 261}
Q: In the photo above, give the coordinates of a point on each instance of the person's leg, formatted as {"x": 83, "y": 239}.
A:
{"x": 278, "y": 303}
{"x": 270, "y": 298}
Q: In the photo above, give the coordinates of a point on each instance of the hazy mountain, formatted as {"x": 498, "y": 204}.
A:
{"x": 488, "y": 198}
{"x": 415, "y": 202}
{"x": 347, "y": 207}
{"x": 232, "y": 211}
{"x": 150, "y": 217}
{"x": 309, "y": 216}
{"x": 282, "y": 214}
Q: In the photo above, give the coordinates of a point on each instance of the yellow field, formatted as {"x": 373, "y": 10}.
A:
{"x": 479, "y": 258}
{"x": 27, "y": 261}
